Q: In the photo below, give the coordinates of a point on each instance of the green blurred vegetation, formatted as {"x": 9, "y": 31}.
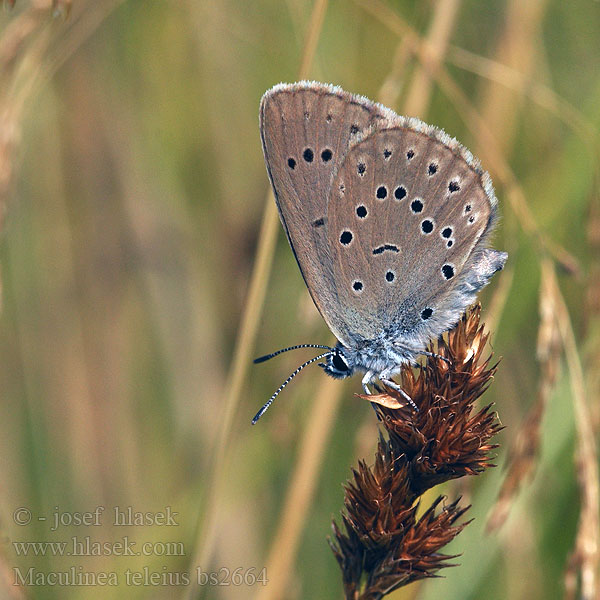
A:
{"x": 130, "y": 235}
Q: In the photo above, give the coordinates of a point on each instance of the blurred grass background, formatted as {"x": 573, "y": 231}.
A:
{"x": 133, "y": 191}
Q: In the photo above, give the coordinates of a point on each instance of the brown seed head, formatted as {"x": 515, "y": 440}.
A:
{"x": 384, "y": 545}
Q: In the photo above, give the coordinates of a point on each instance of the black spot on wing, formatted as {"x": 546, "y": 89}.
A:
{"x": 382, "y": 249}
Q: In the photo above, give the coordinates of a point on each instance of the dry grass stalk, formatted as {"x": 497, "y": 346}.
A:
{"x": 440, "y": 30}
{"x": 383, "y": 544}
{"x": 523, "y": 456}
{"x": 584, "y": 563}
{"x": 26, "y": 49}
{"x": 592, "y": 307}
{"x": 206, "y": 532}
{"x": 540, "y": 94}
{"x": 517, "y": 49}
{"x": 61, "y": 8}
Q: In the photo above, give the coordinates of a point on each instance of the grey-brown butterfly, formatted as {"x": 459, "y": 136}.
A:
{"x": 389, "y": 220}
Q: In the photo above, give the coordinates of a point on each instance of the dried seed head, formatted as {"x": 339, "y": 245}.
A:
{"x": 384, "y": 545}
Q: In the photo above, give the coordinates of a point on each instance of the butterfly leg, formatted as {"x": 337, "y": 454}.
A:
{"x": 365, "y": 383}
{"x": 366, "y": 380}
{"x": 434, "y": 355}
{"x": 384, "y": 377}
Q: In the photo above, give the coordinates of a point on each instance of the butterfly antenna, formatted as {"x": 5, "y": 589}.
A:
{"x": 268, "y": 403}
{"x": 269, "y": 356}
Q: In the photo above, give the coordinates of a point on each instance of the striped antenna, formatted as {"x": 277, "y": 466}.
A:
{"x": 268, "y": 403}
{"x": 269, "y": 356}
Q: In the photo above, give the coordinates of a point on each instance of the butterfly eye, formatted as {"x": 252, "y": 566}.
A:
{"x": 339, "y": 363}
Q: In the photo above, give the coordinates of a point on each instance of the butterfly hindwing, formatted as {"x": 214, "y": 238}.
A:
{"x": 408, "y": 214}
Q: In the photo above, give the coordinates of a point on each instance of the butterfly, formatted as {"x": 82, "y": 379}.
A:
{"x": 389, "y": 220}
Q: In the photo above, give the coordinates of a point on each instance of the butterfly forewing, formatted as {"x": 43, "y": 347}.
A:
{"x": 306, "y": 129}
{"x": 408, "y": 207}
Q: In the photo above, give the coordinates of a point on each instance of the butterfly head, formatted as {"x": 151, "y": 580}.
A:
{"x": 338, "y": 365}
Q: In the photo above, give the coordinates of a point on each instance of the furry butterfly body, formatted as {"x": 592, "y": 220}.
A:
{"x": 389, "y": 220}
